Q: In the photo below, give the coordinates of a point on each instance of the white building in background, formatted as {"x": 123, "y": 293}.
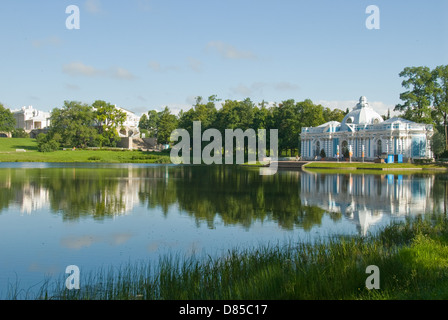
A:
{"x": 28, "y": 118}
{"x": 368, "y": 136}
{"x": 130, "y": 126}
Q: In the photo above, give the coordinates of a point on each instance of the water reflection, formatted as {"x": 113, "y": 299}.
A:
{"x": 229, "y": 194}
{"x": 367, "y": 199}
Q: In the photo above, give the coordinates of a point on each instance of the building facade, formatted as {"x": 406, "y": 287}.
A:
{"x": 364, "y": 135}
{"x": 130, "y": 125}
{"x": 28, "y": 119}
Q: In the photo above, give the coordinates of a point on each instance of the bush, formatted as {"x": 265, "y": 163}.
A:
{"x": 45, "y": 143}
{"x": 322, "y": 153}
{"x": 20, "y": 133}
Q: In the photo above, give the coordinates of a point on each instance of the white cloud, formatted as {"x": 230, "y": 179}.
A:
{"x": 157, "y": 67}
{"x": 93, "y": 6}
{"x": 81, "y": 69}
{"x": 227, "y": 51}
{"x": 195, "y": 64}
{"x": 378, "y": 106}
{"x": 70, "y": 86}
{"x": 257, "y": 88}
{"x": 121, "y": 73}
{"x": 154, "y": 66}
{"x": 243, "y": 90}
{"x": 50, "y": 41}
{"x": 144, "y": 5}
{"x": 286, "y": 86}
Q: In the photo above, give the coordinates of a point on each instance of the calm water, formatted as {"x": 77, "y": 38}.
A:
{"x": 92, "y": 216}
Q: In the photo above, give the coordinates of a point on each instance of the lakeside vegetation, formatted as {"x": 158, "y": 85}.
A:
{"x": 412, "y": 257}
{"x": 8, "y": 153}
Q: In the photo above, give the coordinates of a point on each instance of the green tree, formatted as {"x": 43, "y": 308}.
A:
{"x": 287, "y": 123}
{"x": 235, "y": 115}
{"x": 7, "y": 120}
{"x": 166, "y": 125}
{"x": 48, "y": 143}
{"x": 417, "y": 99}
{"x": 75, "y": 123}
{"x": 206, "y": 113}
{"x": 310, "y": 115}
{"x": 108, "y": 120}
{"x": 438, "y": 143}
{"x": 333, "y": 115}
{"x": 152, "y": 123}
{"x": 440, "y": 92}
{"x": 143, "y": 122}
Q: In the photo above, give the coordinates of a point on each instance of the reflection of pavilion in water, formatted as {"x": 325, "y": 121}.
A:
{"x": 367, "y": 199}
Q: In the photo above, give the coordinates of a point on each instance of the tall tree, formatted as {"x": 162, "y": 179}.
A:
{"x": 109, "y": 121}
{"x": 75, "y": 123}
{"x": 153, "y": 122}
{"x": 440, "y": 79}
{"x": 417, "y": 99}
{"x": 166, "y": 125}
{"x": 333, "y": 115}
{"x": 287, "y": 122}
{"x": 7, "y": 120}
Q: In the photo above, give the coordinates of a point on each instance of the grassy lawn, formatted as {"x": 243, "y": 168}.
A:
{"x": 11, "y": 144}
{"x": 8, "y": 154}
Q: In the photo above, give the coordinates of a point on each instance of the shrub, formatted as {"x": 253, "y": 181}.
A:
{"x": 45, "y": 143}
{"x": 322, "y": 153}
{"x": 19, "y": 133}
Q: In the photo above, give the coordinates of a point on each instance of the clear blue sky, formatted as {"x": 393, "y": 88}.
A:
{"x": 145, "y": 54}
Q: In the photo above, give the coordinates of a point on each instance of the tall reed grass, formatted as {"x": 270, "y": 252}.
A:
{"x": 412, "y": 258}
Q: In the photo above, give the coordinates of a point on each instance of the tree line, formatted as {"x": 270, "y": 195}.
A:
{"x": 81, "y": 125}
{"x": 426, "y": 101}
{"x": 288, "y": 117}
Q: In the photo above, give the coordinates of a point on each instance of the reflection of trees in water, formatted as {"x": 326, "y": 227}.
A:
{"x": 76, "y": 192}
{"x": 231, "y": 194}
{"x": 241, "y": 196}
{"x": 439, "y": 192}
{"x": 72, "y": 192}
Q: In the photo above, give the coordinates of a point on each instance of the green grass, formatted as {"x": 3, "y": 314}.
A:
{"x": 8, "y": 154}
{"x": 11, "y": 144}
{"x": 412, "y": 258}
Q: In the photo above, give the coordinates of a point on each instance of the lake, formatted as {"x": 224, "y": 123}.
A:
{"x": 101, "y": 215}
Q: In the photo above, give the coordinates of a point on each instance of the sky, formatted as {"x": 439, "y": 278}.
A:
{"x": 147, "y": 54}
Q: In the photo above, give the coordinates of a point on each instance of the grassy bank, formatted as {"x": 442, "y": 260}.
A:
{"x": 9, "y": 153}
{"x": 412, "y": 258}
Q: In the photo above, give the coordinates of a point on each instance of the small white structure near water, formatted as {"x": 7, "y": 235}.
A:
{"x": 365, "y": 135}
{"x": 28, "y": 118}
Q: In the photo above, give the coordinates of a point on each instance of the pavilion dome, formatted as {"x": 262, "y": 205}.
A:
{"x": 362, "y": 113}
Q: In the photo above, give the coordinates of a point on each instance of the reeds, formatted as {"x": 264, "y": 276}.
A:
{"x": 412, "y": 258}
